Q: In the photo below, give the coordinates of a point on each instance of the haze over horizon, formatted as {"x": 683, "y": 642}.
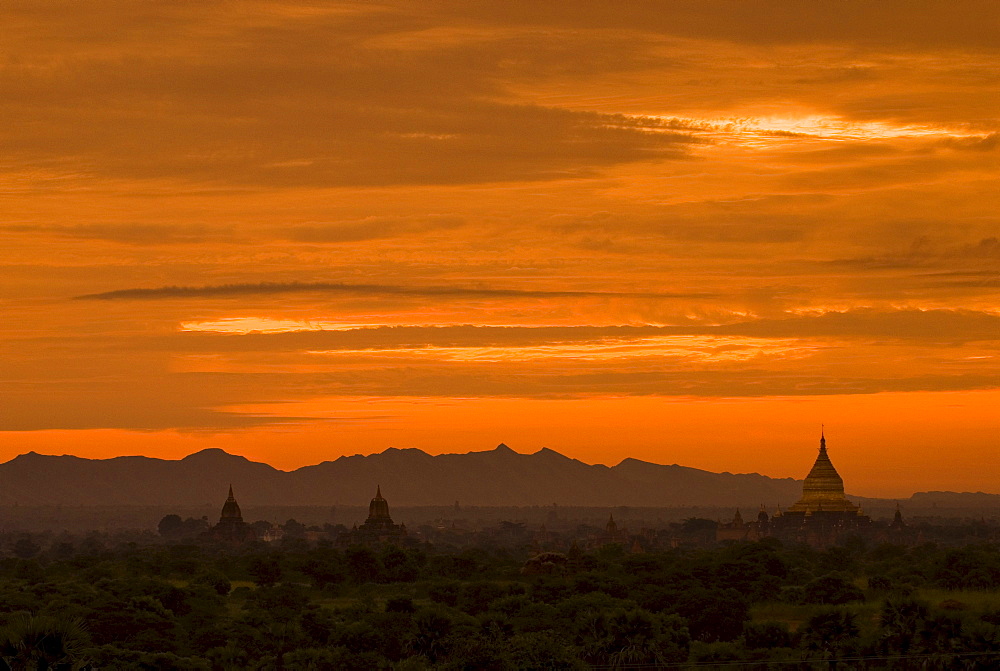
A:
{"x": 684, "y": 232}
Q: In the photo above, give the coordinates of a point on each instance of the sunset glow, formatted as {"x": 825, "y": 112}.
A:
{"x": 684, "y": 232}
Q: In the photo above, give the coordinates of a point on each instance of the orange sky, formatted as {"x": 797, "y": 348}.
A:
{"x": 682, "y": 231}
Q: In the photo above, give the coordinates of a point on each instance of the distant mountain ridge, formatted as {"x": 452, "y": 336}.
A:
{"x": 409, "y": 477}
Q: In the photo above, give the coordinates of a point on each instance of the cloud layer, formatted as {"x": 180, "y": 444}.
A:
{"x": 259, "y": 219}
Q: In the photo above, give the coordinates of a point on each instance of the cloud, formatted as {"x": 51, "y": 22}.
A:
{"x": 207, "y": 381}
{"x": 924, "y": 253}
{"x": 966, "y": 23}
{"x": 371, "y": 228}
{"x": 485, "y": 381}
{"x": 988, "y": 142}
{"x": 132, "y": 233}
{"x": 264, "y": 288}
{"x": 932, "y": 325}
{"x": 279, "y": 100}
{"x": 927, "y": 326}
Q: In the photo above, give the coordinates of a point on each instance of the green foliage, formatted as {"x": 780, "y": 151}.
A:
{"x": 833, "y": 632}
{"x": 43, "y": 643}
{"x": 26, "y": 547}
{"x": 713, "y": 614}
{"x": 216, "y": 580}
{"x": 831, "y": 589}
{"x": 900, "y": 624}
{"x": 715, "y": 653}
{"x": 767, "y": 634}
{"x": 621, "y": 637}
{"x": 172, "y": 526}
{"x": 265, "y": 570}
{"x": 192, "y": 605}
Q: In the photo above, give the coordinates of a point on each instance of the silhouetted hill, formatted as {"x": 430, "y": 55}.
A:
{"x": 36, "y": 479}
{"x": 410, "y": 477}
{"x": 963, "y": 500}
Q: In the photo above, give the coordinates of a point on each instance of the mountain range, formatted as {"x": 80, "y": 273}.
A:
{"x": 408, "y": 477}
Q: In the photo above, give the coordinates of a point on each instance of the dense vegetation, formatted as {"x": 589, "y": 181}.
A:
{"x": 196, "y": 605}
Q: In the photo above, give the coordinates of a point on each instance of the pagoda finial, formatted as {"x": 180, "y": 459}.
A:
{"x": 231, "y": 497}
{"x": 378, "y": 491}
{"x": 822, "y": 436}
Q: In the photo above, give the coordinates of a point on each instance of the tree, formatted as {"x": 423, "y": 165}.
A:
{"x": 430, "y": 639}
{"x": 713, "y": 614}
{"x": 832, "y": 632}
{"x": 26, "y": 547}
{"x": 693, "y": 525}
{"x": 265, "y": 571}
{"x": 400, "y": 604}
{"x": 42, "y": 643}
{"x": 323, "y": 571}
{"x": 622, "y": 638}
{"x": 766, "y": 635}
{"x": 542, "y": 650}
{"x": 216, "y": 580}
{"x": 445, "y": 592}
{"x": 170, "y": 526}
{"x": 831, "y": 589}
{"x": 899, "y": 623}
{"x": 363, "y": 565}
{"x": 880, "y": 583}
{"x": 399, "y": 565}
{"x": 294, "y": 529}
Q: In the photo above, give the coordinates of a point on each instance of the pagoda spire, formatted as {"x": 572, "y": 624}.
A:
{"x": 231, "y": 509}
{"x": 823, "y": 488}
{"x": 378, "y": 509}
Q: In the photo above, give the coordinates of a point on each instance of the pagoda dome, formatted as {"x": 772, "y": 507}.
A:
{"x": 378, "y": 509}
{"x": 823, "y": 488}
{"x": 231, "y": 509}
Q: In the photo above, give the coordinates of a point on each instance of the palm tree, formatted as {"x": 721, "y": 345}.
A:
{"x": 832, "y": 632}
{"x": 899, "y": 623}
{"x": 42, "y": 644}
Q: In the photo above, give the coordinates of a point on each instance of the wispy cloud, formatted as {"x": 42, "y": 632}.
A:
{"x": 864, "y": 323}
{"x": 263, "y": 288}
{"x": 371, "y": 228}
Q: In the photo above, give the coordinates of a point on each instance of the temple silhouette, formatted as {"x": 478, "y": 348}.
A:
{"x": 822, "y": 517}
{"x": 378, "y": 529}
{"x": 231, "y": 527}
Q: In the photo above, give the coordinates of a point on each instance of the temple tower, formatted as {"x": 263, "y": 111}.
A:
{"x": 823, "y": 488}
{"x": 231, "y": 510}
{"x": 231, "y": 526}
{"x": 378, "y": 511}
{"x": 377, "y": 529}
{"x": 824, "y": 514}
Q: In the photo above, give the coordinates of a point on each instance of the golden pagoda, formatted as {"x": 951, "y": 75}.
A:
{"x": 821, "y": 518}
{"x": 823, "y": 515}
{"x": 823, "y": 488}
